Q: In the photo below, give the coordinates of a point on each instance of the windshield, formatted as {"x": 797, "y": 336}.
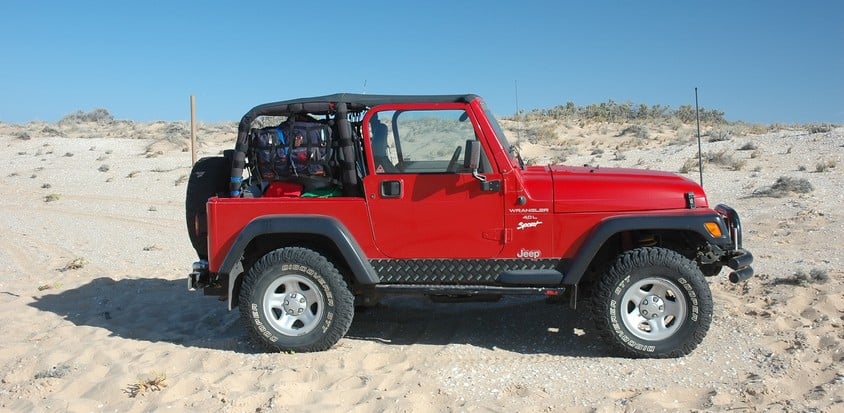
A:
{"x": 499, "y": 133}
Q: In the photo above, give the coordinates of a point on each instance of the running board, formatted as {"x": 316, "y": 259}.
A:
{"x": 545, "y": 278}
{"x": 439, "y": 289}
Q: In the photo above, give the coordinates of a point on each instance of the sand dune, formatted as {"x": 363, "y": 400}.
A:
{"x": 95, "y": 314}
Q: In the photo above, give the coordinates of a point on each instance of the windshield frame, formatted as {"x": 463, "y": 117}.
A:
{"x": 502, "y": 138}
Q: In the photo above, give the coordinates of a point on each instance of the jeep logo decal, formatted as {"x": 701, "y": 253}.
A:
{"x": 532, "y": 254}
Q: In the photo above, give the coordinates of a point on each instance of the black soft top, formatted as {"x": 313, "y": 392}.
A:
{"x": 340, "y": 104}
{"x": 320, "y": 105}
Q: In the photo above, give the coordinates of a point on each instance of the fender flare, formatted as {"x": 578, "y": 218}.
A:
{"x": 325, "y": 226}
{"x": 608, "y": 227}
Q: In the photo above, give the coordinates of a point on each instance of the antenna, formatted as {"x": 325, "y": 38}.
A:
{"x": 699, "y": 156}
{"x": 518, "y": 116}
{"x": 364, "y": 86}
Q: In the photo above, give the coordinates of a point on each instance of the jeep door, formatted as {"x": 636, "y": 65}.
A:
{"x": 423, "y": 200}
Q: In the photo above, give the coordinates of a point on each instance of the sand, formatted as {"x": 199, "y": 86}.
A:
{"x": 95, "y": 314}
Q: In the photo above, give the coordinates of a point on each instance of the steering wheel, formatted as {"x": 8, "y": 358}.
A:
{"x": 454, "y": 162}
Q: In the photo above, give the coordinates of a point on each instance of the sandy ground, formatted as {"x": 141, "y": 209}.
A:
{"x": 95, "y": 315}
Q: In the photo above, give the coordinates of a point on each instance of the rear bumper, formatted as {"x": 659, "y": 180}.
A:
{"x": 199, "y": 276}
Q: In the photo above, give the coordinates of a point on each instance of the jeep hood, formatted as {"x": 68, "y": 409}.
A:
{"x": 594, "y": 189}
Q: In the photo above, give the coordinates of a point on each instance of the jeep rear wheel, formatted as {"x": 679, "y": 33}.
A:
{"x": 294, "y": 299}
{"x": 653, "y": 302}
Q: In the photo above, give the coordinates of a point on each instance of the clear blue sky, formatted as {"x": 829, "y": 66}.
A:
{"x": 758, "y": 61}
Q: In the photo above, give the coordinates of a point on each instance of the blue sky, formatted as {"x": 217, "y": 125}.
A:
{"x": 758, "y": 61}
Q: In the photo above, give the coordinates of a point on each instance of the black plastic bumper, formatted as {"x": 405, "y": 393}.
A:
{"x": 740, "y": 263}
{"x": 739, "y": 259}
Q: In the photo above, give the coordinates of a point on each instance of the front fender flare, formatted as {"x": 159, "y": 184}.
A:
{"x": 610, "y": 226}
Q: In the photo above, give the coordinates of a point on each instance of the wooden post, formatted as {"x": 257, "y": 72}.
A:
{"x": 192, "y": 130}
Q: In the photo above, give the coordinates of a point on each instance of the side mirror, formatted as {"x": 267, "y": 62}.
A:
{"x": 473, "y": 158}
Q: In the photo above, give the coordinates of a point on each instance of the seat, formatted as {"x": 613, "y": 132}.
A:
{"x": 379, "y": 147}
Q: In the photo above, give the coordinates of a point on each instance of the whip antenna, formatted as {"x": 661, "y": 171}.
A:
{"x": 518, "y": 115}
{"x": 699, "y": 156}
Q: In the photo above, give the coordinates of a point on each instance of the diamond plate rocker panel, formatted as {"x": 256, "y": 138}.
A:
{"x": 449, "y": 271}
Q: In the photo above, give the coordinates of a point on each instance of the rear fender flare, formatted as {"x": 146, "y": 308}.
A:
{"x": 325, "y": 226}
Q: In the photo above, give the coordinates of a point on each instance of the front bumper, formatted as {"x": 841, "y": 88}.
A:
{"x": 738, "y": 258}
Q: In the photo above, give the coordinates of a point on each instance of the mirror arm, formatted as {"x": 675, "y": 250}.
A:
{"x": 478, "y": 176}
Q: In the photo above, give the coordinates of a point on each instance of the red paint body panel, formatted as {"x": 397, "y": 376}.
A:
{"x": 585, "y": 189}
{"x": 228, "y": 216}
{"x": 540, "y": 211}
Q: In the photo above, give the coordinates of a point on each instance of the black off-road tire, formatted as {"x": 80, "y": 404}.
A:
{"x": 294, "y": 299}
{"x": 208, "y": 177}
{"x": 652, "y": 302}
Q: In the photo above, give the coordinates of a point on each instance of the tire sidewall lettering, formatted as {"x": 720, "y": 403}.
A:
{"x": 615, "y": 314}
{"x": 615, "y": 311}
{"x": 693, "y": 301}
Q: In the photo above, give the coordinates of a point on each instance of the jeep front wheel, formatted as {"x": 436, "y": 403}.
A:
{"x": 653, "y": 302}
{"x": 294, "y": 299}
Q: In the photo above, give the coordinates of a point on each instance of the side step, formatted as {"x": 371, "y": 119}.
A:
{"x": 546, "y": 278}
{"x": 439, "y": 289}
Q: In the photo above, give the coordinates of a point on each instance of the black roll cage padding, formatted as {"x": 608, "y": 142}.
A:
{"x": 349, "y": 175}
{"x": 323, "y": 105}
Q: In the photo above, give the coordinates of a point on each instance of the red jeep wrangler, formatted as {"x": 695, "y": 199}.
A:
{"x": 346, "y": 198}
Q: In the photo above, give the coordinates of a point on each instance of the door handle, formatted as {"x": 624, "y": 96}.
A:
{"x": 391, "y": 189}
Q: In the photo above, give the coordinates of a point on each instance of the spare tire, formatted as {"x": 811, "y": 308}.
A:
{"x": 209, "y": 177}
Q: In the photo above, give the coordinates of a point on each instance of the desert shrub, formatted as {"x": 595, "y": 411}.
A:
{"x": 52, "y": 198}
{"x": 154, "y": 382}
{"x": 785, "y": 185}
{"x": 75, "y": 264}
{"x": 597, "y": 151}
{"x": 749, "y": 146}
{"x": 22, "y": 136}
{"x": 612, "y": 111}
{"x": 55, "y": 372}
{"x": 684, "y": 137}
{"x": 820, "y": 128}
{"x": 546, "y": 133}
{"x": 815, "y": 276}
{"x": 725, "y": 159}
{"x": 51, "y": 131}
{"x": 825, "y": 166}
{"x": 98, "y": 115}
{"x": 691, "y": 164}
{"x": 638, "y": 131}
{"x": 719, "y": 135}
{"x": 103, "y": 168}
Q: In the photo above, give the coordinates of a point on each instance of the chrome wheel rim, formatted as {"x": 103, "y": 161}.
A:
{"x": 653, "y": 309}
{"x": 293, "y": 305}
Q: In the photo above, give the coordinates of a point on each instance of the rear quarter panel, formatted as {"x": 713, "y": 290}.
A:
{"x": 228, "y": 216}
